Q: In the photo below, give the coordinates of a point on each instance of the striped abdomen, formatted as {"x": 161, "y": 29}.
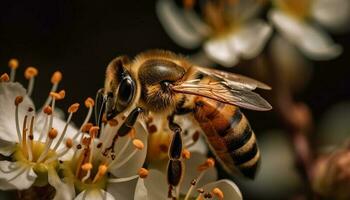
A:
{"x": 229, "y": 135}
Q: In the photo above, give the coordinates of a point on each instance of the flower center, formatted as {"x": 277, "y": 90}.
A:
{"x": 298, "y": 8}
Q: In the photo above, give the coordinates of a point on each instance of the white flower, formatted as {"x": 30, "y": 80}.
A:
{"x": 294, "y": 20}
{"x": 228, "y": 31}
{"x": 196, "y": 184}
{"x": 32, "y": 142}
{"x": 106, "y": 167}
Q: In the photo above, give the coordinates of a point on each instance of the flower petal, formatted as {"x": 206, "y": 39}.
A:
{"x": 8, "y": 93}
{"x": 156, "y": 185}
{"x": 141, "y": 191}
{"x": 16, "y": 175}
{"x": 7, "y": 148}
{"x": 219, "y": 50}
{"x": 122, "y": 190}
{"x": 191, "y": 172}
{"x": 250, "y": 40}
{"x": 334, "y": 14}
{"x": 95, "y": 194}
{"x": 313, "y": 42}
{"x": 64, "y": 191}
{"x": 132, "y": 166}
{"x": 229, "y": 189}
{"x": 176, "y": 25}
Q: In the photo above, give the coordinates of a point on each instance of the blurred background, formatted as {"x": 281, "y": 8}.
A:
{"x": 79, "y": 38}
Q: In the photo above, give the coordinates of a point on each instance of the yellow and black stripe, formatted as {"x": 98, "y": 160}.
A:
{"x": 229, "y": 135}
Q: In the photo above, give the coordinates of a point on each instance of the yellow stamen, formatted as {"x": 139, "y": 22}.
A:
{"x": 56, "y": 77}
{"x": 102, "y": 170}
{"x": 186, "y": 154}
{"x": 86, "y": 166}
{"x": 132, "y": 133}
{"x": 113, "y": 122}
{"x": 86, "y": 127}
{"x": 89, "y": 102}
{"x": 138, "y": 144}
{"x": 93, "y": 131}
{"x": 218, "y": 193}
{"x": 18, "y": 100}
{"x": 4, "y": 78}
{"x": 13, "y": 63}
{"x": 73, "y": 108}
{"x": 210, "y": 162}
{"x": 30, "y": 73}
{"x": 48, "y": 110}
{"x": 53, "y": 133}
{"x": 143, "y": 173}
{"x": 69, "y": 143}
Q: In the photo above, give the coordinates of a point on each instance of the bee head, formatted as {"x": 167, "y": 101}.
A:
{"x": 120, "y": 87}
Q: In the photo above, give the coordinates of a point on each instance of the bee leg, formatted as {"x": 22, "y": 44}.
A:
{"x": 125, "y": 128}
{"x": 175, "y": 165}
{"x": 100, "y": 106}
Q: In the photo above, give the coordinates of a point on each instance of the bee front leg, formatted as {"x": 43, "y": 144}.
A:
{"x": 100, "y": 106}
{"x": 175, "y": 164}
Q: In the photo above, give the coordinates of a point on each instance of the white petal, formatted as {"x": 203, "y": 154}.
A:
{"x": 220, "y": 51}
{"x": 136, "y": 162}
{"x": 7, "y": 148}
{"x": 156, "y": 185}
{"x": 141, "y": 191}
{"x": 250, "y": 40}
{"x": 292, "y": 65}
{"x": 95, "y": 194}
{"x": 333, "y": 14}
{"x": 191, "y": 172}
{"x": 8, "y": 93}
{"x": 64, "y": 191}
{"x": 200, "y": 146}
{"x": 176, "y": 25}
{"x": 229, "y": 189}
{"x": 313, "y": 42}
{"x": 16, "y": 175}
{"x": 122, "y": 190}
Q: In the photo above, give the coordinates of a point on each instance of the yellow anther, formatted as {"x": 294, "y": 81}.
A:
{"x": 210, "y": 162}
{"x": 218, "y": 193}
{"x": 13, "y": 63}
{"x": 89, "y": 102}
{"x": 56, "y": 77}
{"x": 94, "y": 130}
{"x": 4, "y": 77}
{"x": 73, "y": 108}
{"x": 48, "y": 110}
{"x": 138, "y": 144}
{"x": 86, "y": 166}
{"x": 69, "y": 143}
{"x": 113, "y": 122}
{"x": 102, "y": 170}
{"x": 18, "y": 100}
{"x": 58, "y": 96}
{"x": 143, "y": 173}
{"x": 186, "y": 154}
{"x": 53, "y": 133}
{"x": 86, "y": 128}
{"x": 30, "y": 72}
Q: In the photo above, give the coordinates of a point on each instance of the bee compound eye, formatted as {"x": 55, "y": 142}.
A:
{"x": 125, "y": 93}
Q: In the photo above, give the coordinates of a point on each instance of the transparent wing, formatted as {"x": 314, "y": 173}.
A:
{"x": 225, "y": 92}
{"x": 234, "y": 80}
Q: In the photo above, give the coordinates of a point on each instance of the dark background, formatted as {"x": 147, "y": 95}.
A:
{"x": 79, "y": 38}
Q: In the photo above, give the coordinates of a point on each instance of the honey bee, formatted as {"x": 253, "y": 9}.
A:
{"x": 166, "y": 84}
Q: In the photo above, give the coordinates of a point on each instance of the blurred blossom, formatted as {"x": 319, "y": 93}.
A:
{"x": 198, "y": 182}
{"x": 277, "y": 176}
{"x": 331, "y": 175}
{"x": 32, "y": 142}
{"x": 334, "y": 127}
{"x": 296, "y": 70}
{"x": 227, "y": 30}
{"x": 298, "y": 22}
